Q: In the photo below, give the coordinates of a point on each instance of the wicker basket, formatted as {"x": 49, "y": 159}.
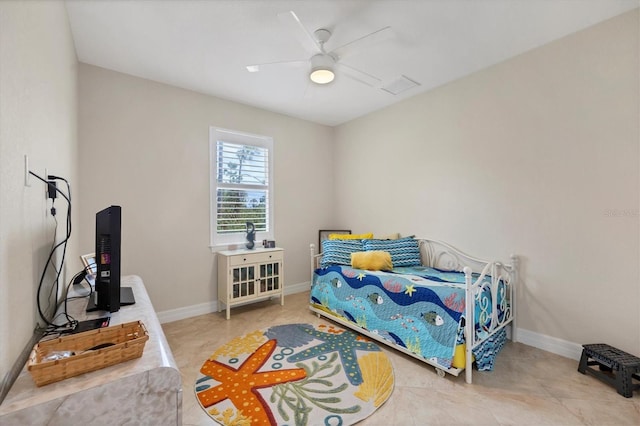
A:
{"x": 128, "y": 343}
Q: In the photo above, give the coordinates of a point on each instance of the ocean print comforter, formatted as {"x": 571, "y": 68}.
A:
{"x": 419, "y": 308}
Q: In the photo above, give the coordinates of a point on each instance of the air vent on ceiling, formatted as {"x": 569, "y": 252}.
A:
{"x": 399, "y": 85}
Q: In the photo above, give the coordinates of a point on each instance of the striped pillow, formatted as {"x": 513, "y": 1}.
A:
{"x": 404, "y": 251}
{"x": 338, "y": 252}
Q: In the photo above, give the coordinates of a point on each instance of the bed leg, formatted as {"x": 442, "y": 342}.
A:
{"x": 468, "y": 364}
{"x": 469, "y": 320}
{"x": 468, "y": 368}
{"x": 440, "y": 372}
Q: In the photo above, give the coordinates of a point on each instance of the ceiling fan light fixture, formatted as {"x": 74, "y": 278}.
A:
{"x": 322, "y": 76}
{"x": 322, "y": 69}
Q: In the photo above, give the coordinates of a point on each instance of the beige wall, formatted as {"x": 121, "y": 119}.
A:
{"x": 538, "y": 156}
{"x": 38, "y": 119}
{"x": 561, "y": 122}
{"x": 145, "y": 146}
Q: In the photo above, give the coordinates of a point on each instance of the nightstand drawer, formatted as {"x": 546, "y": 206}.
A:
{"x": 257, "y": 257}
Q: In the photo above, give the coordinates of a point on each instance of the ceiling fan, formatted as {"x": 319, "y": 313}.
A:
{"x": 324, "y": 64}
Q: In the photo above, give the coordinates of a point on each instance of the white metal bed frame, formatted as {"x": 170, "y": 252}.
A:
{"x": 437, "y": 254}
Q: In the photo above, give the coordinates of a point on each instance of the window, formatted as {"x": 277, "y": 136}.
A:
{"x": 241, "y": 186}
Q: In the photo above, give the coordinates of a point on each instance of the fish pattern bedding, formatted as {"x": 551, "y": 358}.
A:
{"x": 419, "y": 308}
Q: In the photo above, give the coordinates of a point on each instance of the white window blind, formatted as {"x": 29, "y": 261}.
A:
{"x": 241, "y": 168}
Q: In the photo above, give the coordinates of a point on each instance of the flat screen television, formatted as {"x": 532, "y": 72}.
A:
{"x": 109, "y": 296}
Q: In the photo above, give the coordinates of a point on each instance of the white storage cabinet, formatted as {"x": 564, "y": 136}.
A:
{"x": 249, "y": 276}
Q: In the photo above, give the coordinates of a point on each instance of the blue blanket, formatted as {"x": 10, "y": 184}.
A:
{"x": 419, "y": 308}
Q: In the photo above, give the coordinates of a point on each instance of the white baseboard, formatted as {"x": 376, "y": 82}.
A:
{"x": 297, "y": 288}
{"x": 187, "y": 312}
{"x": 550, "y": 344}
{"x": 209, "y": 307}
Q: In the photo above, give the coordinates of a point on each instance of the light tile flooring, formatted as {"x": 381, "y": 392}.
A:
{"x": 527, "y": 387}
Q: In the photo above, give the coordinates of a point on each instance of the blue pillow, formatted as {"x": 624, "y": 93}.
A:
{"x": 404, "y": 251}
{"x": 338, "y": 252}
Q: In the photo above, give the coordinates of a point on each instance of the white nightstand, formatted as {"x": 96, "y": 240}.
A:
{"x": 249, "y": 276}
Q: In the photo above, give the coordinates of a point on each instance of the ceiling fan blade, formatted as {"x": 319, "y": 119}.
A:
{"x": 290, "y": 64}
{"x": 308, "y": 41}
{"x": 360, "y": 76}
{"x": 363, "y": 42}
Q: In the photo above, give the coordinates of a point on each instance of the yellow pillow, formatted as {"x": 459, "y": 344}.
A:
{"x": 459, "y": 356}
{"x": 375, "y": 260}
{"x": 350, "y": 236}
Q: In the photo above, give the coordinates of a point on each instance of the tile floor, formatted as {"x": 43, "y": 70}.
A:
{"x": 528, "y": 386}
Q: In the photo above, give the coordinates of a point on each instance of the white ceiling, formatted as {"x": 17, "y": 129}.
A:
{"x": 205, "y": 46}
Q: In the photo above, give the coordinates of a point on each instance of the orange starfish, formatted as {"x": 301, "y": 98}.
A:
{"x": 240, "y": 386}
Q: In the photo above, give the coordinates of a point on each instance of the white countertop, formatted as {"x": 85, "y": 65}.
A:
{"x": 156, "y": 355}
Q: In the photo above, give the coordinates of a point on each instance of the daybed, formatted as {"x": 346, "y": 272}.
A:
{"x": 421, "y": 306}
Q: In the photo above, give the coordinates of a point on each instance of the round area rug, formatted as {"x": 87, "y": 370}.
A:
{"x": 295, "y": 374}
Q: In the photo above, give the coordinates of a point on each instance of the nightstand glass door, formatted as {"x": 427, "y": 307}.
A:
{"x": 269, "y": 277}
{"x": 244, "y": 281}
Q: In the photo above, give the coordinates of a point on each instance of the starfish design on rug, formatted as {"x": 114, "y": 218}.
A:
{"x": 345, "y": 344}
{"x": 241, "y": 385}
